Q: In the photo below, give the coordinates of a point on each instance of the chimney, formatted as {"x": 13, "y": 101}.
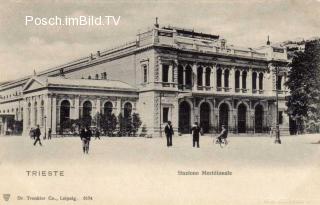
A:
{"x": 156, "y": 24}
{"x": 268, "y": 42}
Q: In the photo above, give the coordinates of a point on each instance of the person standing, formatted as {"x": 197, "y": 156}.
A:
{"x": 196, "y": 134}
{"x": 97, "y": 134}
{"x": 83, "y": 139}
{"x": 88, "y": 135}
{"x": 37, "y": 134}
{"x": 169, "y": 132}
{"x": 49, "y": 134}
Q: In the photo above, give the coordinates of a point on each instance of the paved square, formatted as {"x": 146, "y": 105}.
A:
{"x": 131, "y": 170}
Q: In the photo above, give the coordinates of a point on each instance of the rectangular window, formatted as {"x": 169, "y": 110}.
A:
{"x": 165, "y": 73}
{"x": 280, "y": 118}
{"x": 165, "y": 114}
{"x": 279, "y": 83}
{"x": 145, "y": 74}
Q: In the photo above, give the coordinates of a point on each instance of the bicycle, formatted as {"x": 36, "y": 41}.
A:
{"x": 223, "y": 142}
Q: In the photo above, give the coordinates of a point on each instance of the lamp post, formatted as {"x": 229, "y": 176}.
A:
{"x": 277, "y": 140}
{"x": 45, "y": 127}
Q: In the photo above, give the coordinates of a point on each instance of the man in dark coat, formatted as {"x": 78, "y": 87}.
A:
{"x": 169, "y": 132}
{"x": 196, "y": 134}
{"x": 37, "y": 134}
{"x": 88, "y": 135}
{"x": 49, "y": 134}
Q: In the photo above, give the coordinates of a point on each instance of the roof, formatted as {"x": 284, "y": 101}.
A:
{"x": 61, "y": 81}
{"x": 88, "y": 82}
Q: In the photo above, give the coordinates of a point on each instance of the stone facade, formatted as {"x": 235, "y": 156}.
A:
{"x": 166, "y": 74}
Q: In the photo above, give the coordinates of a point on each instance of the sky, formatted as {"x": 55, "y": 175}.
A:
{"x": 25, "y": 48}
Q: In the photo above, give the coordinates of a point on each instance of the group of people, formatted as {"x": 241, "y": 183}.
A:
{"x": 35, "y": 134}
{"x": 196, "y": 131}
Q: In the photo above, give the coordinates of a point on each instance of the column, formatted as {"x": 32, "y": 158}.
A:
{"x": 170, "y": 74}
{"x": 76, "y": 109}
{"x": 204, "y": 76}
{"x": 58, "y": 123}
{"x": 39, "y": 112}
{"x": 213, "y": 77}
{"x": 240, "y": 80}
{"x": 54, "y": 115}
{"x": 222, "y": 79}
{"x": 32, "y": 117}
{"x": 249, "y": 80}
{"x": 48, "y": 114}
{"x": 175, "y": 72}
{"x": 25, "y": 117}
{"x": 98, "y": 106}
{"x": 184, "y": 75}
{"x": 232, "y": 79}
{"x": 118, "y": 106}
{"x": 194, "y": 76}
{"x": 160, "y": 71}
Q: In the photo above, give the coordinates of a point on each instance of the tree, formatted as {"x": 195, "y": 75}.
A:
{"x": 121, "y": 125}
{"x": 108, "y": 123}
{"x": 304, "y": 84}
{"x": 136, "y": 123}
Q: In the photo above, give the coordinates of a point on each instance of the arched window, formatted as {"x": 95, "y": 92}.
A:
{"x": 64, "y": 111}
{"x": 199, "y": 76}
{"x": 86, "y": 110}
{"x": 237, "y": 79}
{"x": 97, "y": 76}
{"x": 127, "y": 109}
{"x": 208, "y": 73}
{"x": 219, "y": 76}
{"x": 89, "y": 77}
{"x": 244, "y": 79}
{"x": 226, "y": 78}
{"x": 261, "y": 81}
{"x": 188, "y": 77}
{"x": 107, "y": 108}
{"x": 279, "y": 87}
{"x": 254, "y": 81}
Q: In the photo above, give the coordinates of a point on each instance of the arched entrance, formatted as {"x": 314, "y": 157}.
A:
{"x": 65, "y": 114}
{"x": 258, "y": 119}
{"x": 205, "y": 117}
{"x": 127, "y": 110}
{"x": 87, "y": 109}
{"x": 107, "y": 108}
{"x": 184, "y": 117}
{"x": 242, "y": 118}
{"x": 223, "y": 115}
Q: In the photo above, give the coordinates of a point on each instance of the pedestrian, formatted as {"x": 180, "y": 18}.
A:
{"x": 37, "y": 134}
{"x": 97, "y": 134}
{"x": 83, "y": 139}
{"x": 196, "y": 131}
{"x": 49, "y": 134}
{"x": 31, "y": 133}
{"x": 169, "y": 133}
{"x": 223, "y": 134}
{"x": 88, "y": 135}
